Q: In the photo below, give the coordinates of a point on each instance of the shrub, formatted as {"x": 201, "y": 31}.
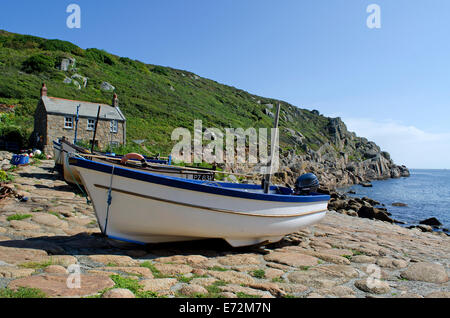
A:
{"x": 14, "y": 134}
{"x": 100, "y": 56}
{"x": 259, "y": 273}
{"x": 126, "y": 61}
{"x": 20, "y": 41}
{"x": 41, "y": 156}
{"x": 11, "y": 90}
{"x": 38, "y": 64}
{"x": 159, "y": 70}
{"x": 64, "y": 46}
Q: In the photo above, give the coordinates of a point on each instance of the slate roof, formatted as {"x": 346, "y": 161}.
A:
{"x": 62, "y": 106}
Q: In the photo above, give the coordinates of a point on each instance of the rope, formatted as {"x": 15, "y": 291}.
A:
{"x": 109, "y": 200}
{"x": 75, "y": 180}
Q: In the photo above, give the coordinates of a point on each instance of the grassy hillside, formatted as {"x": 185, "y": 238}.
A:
{"x": 154, "y": 99}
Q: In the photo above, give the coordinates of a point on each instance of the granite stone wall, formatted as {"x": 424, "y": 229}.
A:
{"x": 55, "y": 129}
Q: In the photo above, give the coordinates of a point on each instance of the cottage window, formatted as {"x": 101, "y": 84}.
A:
{"x": 68, "y": 122}
{"x": 114, "y": 126}
{"x": 91, "y": 124}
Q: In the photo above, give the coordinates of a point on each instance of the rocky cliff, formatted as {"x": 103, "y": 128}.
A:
{"x": 345, "y": 159}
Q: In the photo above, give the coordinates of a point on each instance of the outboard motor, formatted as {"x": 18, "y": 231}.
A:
{"x": 306, "y": 184}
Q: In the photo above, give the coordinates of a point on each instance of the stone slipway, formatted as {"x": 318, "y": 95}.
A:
{"x": 342, "y": 256}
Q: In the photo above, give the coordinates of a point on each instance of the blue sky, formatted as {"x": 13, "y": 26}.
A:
{"x": 390, "y": 85}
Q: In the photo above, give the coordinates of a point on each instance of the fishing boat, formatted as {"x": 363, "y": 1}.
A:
{"x": 144, "y": 207}
{"x": 57, "y": 151}
{"x": 132, "y": 161}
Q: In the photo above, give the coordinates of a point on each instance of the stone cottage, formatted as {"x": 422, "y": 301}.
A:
{"x": 57, "y": 117}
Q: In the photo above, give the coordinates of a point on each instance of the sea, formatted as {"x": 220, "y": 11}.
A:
{"x": 426, "y": 193}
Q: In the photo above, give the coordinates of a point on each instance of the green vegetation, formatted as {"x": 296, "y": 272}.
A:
{"x": 22, "y": 292}
{"x": 18, "y": 217}
{"x": 130, "y": 284}
{"x": 63, "y": 46}
{"x": 357, "y": 253}
{"x": 156, "y": 273}
{"x": 244, "y": 295}
{"x": 41, "y": 156}
{"x": 150, "y": 266}
{"x": 155, "y": 99}
{"x": 112, "y": 265}
{"x": 259, "y": 273}
{"x": 214, "y": 290}
{"x": 278, "y": 280}
{"x": 38, "y": 265}
{"x": 218, "y": 269}
{"x": 38, "y": 64}
{"x": 304, "y": 268}
{"x": 41, "y": 265}
{"x": 349, "y": 257}
{"x": 5, "y": 176}
{"x": 187, "y": 280}
{"x": 56, "y": 214}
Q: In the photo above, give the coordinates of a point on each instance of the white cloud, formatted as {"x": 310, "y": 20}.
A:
{"x": 407, "y": 145}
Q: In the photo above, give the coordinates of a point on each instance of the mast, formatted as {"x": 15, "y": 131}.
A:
{"x": 95, "y": 130}
{"x": 272, "y": 151}
{"x": 76, "y": 124}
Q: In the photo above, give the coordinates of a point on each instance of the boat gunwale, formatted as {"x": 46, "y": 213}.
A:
{"x": 232, "y": 189}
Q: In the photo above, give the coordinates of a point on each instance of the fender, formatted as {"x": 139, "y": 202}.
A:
{"x": 133, "y": 156}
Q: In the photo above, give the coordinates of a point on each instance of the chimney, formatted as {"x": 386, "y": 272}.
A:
{"x": 43, "y": 90}
{"x": 115, "y": 102}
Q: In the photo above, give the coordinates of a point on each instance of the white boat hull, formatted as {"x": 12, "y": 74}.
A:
{"x": 57, "y": 154}
{"x": 70, "y": 173}
{"x": 146, "y": 212}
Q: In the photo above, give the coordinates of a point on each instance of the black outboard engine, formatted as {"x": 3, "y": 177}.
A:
{"x": 306, "y": 184}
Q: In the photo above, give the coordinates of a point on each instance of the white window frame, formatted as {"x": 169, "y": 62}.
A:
{"x": 114, "y": 126}
{"x": 68, "y": 124}
{"x": 91, "y": 124}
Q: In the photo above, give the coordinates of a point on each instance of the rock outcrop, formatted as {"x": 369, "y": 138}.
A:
{"x": 345, "y": 160}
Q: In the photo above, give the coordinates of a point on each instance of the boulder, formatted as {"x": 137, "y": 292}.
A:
{"x": 374, "y": 286}
{"x": 292, "y": 259}
{"x": 105, "y": 86}
{"x": 57, "y": 285}
{"x": 269, "y": 113}
{"x": 426, "y": 272}
{"x": 191, "y": 290}
{"x": 431, "y": 221}
{"x": 374, "y": 213}
{"x": 119, "y": 293}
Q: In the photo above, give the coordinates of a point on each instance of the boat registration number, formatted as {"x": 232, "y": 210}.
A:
{"x": 203, "y": 177}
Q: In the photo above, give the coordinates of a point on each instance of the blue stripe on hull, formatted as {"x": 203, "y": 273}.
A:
{"x": 126, "y": 240}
